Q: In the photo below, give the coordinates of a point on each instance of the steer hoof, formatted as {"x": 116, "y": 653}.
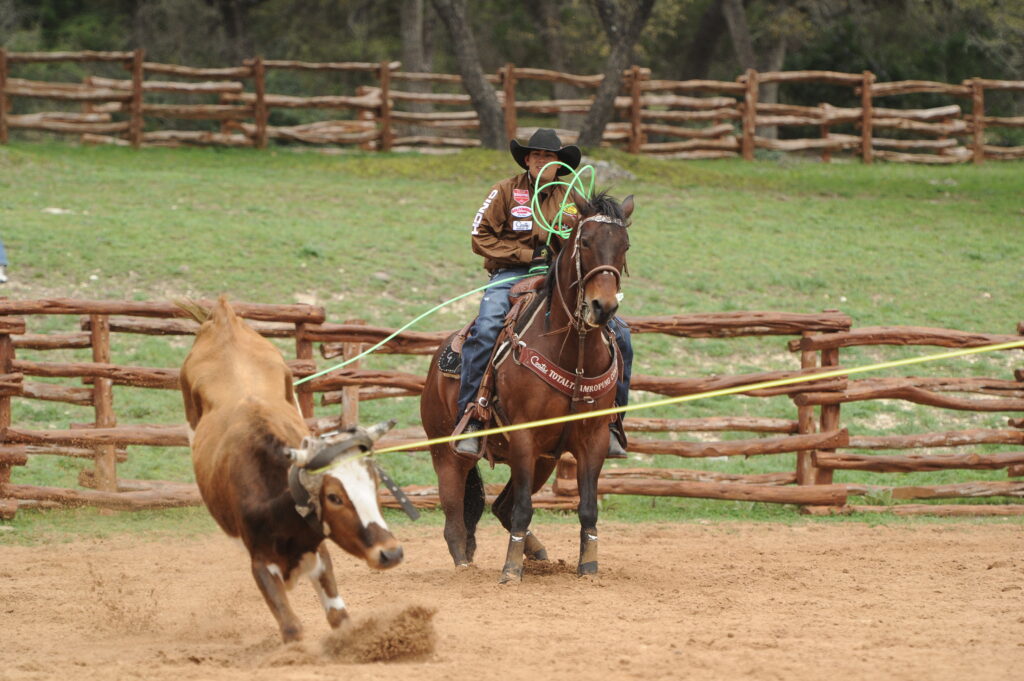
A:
{"x": 336, "y": 617}
{"x": 291, "y": 633}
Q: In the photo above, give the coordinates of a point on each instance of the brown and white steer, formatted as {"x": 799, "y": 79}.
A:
{"x": 264, "y": 480}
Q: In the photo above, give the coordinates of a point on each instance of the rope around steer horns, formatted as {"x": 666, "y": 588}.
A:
{"x": 305, "y": 476}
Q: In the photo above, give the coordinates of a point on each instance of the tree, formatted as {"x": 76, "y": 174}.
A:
{"x": 482, "y": 95}
{"x": 699, "y": 57}
{"x": 547, "y": 18}
{"x": 622, "y": 20}
{"x": 783, "y": 23}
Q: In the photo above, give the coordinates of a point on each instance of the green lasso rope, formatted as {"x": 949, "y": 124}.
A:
{"x": 563, "y": 232}
{"x": 577, "y": 179}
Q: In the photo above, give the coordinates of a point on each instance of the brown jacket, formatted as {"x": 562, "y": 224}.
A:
{"x": 504, "y": 229}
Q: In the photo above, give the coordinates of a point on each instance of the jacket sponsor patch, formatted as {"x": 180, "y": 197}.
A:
{"x": 522, "y": 225}
{"x": 483, "y": 209}
{"x": 521, "y": 196}
{"x": 521, "y": 212}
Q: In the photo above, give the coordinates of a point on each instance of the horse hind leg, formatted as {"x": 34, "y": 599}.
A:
{"x": 451, "y": 488}
{"x": 472, "y": 508}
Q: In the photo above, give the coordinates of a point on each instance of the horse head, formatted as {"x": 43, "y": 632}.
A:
{"x": 598, "y": 249}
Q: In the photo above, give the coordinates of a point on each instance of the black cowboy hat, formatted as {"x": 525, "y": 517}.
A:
{"x": 545, "y": 139}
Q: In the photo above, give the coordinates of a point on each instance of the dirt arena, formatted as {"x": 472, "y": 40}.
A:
{"x": 717, "y": 601}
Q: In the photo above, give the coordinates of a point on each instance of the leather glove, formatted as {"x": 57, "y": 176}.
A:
{"x": 541, "y": 259}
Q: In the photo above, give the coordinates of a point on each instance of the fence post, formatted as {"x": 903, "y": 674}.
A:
{"x": 636, "y": 133}
{"x": 103, "y": 402}
{"x": 829, "y": 415}
{"x": 3, "y": 96}
{"x": 350, "y": 394}
{"x": 304, "y": 350}
{"x": 259, "y": 111}
{"x": 978, "y": 119}
{"x": 806, "y": 471}
{"x": 508, "y": 83}
{"x": 826, "y": 153}
{"x": 867, "y": 115}
{"x": 135, "y": 123}
{"x": 385, "y": 107}
{"x": 7, "y": 507}
{"x": 750, "y": 115}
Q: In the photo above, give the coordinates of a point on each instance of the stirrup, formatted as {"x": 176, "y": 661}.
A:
{"x": 469, "y": 448}
{"x": 616, "y": 443}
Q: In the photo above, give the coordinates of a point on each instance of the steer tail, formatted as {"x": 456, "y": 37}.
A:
{"x": 194, "y": 309}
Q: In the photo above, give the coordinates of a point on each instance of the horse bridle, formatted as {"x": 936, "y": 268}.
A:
{"x": 581, "y": 280}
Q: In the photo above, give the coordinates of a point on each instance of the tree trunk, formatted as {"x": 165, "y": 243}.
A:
{"x": 736, "y": 18}
{"x": 417, "y": 55}
{"x": 769, "y": 92}
{"x": 481, "y": 93}
{"x": 697, "y": 63}
{"x": 546, "y": 18}
{"x": 622, "y": 25}
{"x": 232, "y": 18}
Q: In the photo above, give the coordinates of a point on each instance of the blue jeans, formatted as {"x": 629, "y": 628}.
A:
{"x": 493, "y": 308}
{"x": 3, "y": 254}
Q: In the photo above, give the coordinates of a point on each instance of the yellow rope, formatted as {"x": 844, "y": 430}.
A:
{"x": 710, "y": 393}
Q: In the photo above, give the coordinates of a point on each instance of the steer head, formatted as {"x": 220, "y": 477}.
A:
{"x": 334, "y": 484}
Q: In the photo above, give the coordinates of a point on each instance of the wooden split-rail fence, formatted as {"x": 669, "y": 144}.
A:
{"x": 816, "y": 433}
{"x": 391, "y": 109}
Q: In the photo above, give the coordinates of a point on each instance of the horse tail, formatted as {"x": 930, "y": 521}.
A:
{"x": 192, "y": 308}
{"x": 473, "y": 501}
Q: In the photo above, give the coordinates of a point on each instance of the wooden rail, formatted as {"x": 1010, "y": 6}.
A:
{"x": 816, "y": 435}
{"x": 691, "y": 119}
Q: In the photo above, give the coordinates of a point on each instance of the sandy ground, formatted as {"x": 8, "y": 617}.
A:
{"x": 720, "y": 601}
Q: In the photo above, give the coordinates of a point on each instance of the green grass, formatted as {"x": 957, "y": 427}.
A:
{"x": 383, "y": 237}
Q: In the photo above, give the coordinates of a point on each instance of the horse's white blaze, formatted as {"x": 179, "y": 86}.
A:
{"x": 361, "y": 489}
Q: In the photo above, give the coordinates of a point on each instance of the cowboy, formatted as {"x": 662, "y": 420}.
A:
{"x": 513, "y": 244}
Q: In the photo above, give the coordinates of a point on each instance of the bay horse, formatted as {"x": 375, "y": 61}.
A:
{"x": 578, "y": 299}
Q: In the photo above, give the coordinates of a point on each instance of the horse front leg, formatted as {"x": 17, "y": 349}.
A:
{"x": 502, "y": 509}
{"x": 587, "y": 472}
{"x": 522, "y": 463}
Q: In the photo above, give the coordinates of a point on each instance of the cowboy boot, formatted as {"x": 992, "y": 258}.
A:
{"x": 616, "y": 443}
{"x": 470, "y": 446}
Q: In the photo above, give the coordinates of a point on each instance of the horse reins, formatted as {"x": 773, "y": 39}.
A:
{"x": 576, "y": 320}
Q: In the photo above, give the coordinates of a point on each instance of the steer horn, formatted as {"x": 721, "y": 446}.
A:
{"x": 378, "y": 429}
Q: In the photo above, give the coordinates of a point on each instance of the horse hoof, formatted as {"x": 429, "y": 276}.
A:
{"x": 587, "y": 568}
{"x": 462, "y": 565}
{"x": 511, "y": 578}
{"x": 539, "y": 555}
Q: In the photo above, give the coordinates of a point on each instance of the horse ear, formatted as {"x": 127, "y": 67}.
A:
{"x": 627, "y": 206}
